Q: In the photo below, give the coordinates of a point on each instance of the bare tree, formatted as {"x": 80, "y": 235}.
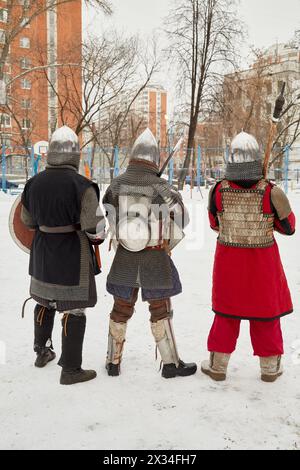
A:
{"x": 203, "y": 36}
{"x": 115, "y": 70}
{"x": 243, "y": 102}
{"x": 289, "y": 129}
{"x": 120, "y": 130}
{"x": 246, "y": 100}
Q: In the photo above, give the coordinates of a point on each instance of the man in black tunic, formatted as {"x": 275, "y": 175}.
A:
{"x": 63, "y": 207}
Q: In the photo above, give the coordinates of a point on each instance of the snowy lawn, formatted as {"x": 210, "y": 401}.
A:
{"x": 140, "y": 410}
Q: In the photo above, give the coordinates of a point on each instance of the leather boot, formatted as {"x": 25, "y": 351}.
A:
{"x": 216, "y": 367}
{"x": 271, "y": 368}
{"x": 71, "y": 351}
{"x": 43, "y": 327}
{"x": 164, "y": 337}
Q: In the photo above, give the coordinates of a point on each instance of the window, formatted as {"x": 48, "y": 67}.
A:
{"x": 25, "y": 43}
{"x": 5, "y": 120}
{"x": 269, "y": 109}
{"x": 2, "y": 36}
{"x": 269, "y": 88}
{"x": 24, "y": 22}
{"x": 280, "y": 85}
{"x": 25, "y": 4}
{"x": 3, "y": 15}
{"x": 26, "y": 124}
{"x": 6, "y": 77}
{"x": 25, "y": 63}
{"x": 25, "y": 84}
{"x": 5, "y": 140}
{"x": 239, "y": 93}
{"x": 25, "y": 104}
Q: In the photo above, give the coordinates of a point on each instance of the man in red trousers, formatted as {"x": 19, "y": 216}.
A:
{"x": 249, "y": 282}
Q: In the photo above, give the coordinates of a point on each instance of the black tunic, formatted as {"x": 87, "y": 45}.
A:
{"x": 53, "y": 198}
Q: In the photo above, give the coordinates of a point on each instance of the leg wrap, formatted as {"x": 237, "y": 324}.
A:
{"x": 159, "y": 309}
{"x": 123, "y": 309}
{"x": 72, "y": 340}
{"x": 43, "y": 327}
{"x": 116, "y": 340}
{"x": 163, "y": 333}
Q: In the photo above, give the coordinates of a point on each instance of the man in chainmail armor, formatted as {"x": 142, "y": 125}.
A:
{"x": 63, "y": 208}
{"x": 249, "y": 282}
{"x": 147, "y": 218}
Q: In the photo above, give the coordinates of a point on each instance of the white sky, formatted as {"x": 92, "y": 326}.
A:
{"x": 268, "y": 21}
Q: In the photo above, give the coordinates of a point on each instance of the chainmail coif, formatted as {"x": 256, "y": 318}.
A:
{"x": 244, "y": 171}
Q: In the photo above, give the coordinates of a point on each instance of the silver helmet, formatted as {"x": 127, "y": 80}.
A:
{"x": 64, "y": 148}
{"x": 146, "y": 148}
{"x": 244, "y": 148}
{"x": 245, "y": 160}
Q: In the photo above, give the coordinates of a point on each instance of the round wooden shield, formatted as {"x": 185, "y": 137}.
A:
{"x": 21, "y": 235}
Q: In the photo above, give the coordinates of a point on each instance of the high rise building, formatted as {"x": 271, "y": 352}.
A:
{"x": 152, "y": 106}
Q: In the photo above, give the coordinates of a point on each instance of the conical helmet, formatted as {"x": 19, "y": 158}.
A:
{"x": 244, "y": 148}
{"x": 64, "y": 148}
{"x": 146, "y": 148}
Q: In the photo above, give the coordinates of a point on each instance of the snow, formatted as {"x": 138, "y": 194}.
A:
{"x": 139, "y": 409}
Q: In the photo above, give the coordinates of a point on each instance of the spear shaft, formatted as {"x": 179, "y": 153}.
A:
{"x": 273, "y": 128}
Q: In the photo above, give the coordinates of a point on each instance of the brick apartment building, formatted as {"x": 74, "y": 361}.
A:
{"x": 52, "y": 37}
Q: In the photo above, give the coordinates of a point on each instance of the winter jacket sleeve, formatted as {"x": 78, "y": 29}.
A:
{"x": 285, "y": 221}
{"x": 92, "y": 220}
{"x": 212, "y": 208}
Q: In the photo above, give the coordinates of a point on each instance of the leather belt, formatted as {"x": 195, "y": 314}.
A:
{"x": 156, "y": 247}
{"x": 62, "y": 229}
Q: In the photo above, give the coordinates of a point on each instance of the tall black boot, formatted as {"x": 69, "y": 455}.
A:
{"x": 71, "y": 351}
{"x": 43, "y": 327}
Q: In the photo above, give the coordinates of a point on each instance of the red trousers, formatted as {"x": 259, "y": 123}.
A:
{"x": 266, "y": 336}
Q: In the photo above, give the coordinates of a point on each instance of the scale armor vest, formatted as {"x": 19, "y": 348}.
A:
{"x": 242, "y": 223}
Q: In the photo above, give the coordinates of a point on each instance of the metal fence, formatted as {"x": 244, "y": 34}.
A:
{"x": 103, "y": 164}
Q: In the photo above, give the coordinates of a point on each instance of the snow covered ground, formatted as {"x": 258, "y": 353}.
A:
{"x": 140, "y": 410}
